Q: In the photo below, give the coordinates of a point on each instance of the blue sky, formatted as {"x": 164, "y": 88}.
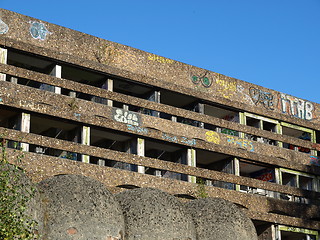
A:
{"x": 274, "y": 43}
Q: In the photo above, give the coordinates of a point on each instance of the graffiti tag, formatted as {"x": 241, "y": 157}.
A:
{"x": 243, "y": 143}
{"x": 258, "y": 96}
{"x": 205, "y": 81}
{"x": 155, "y": 58}
{"x": 296, "y": 107}
{"x": 314, "y": 160}
{"x": 3, "y": 27}
{"x": 176, "y": 139}
{"x": 213, "y": 137}
{"x": 137, "y": 129}
{"x": 124, "y": 116}
{"x": 38, "y": 30}
{"x": 226, "y": 88}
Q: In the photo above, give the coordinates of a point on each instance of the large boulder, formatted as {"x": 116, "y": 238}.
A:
{"x": 78, "y": 207}
{"x": 153, "y": 214}
{"x": 217, "y": 219}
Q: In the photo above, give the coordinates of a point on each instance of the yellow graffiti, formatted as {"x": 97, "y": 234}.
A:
{"x": 212, "y": 136}
{"x": 153, "y": 57}
{"x": 113, "y": 54}
{"x": 226, "y": 87}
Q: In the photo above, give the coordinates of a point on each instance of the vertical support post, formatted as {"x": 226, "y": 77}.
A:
{"x": 109, "y": 87}
{"x": 140, "y": 152}
{"x": 191, "y": 161}
{"x": 236, "y": 165}
{"x": 14, "y": 80}
{"x": 155, "y": 97}
{"x": 85, "y": 140}
{"x": 3, "y": 59}
{"x": 57, "y": 72}
{"x": 243, "y": 121}
{"x": 25, "y": 127}
{"x": 200, "y": 108}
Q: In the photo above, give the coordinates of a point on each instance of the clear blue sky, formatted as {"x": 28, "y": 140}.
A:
{"x": 272, "y": 43}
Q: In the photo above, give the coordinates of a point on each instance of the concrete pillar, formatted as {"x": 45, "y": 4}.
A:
{"x": 25, "y": 127}
{"x": 140, "y": 152}
{"x": 21, "y": 123}
{"x": 191, "y": 161}
{"x": 109, "y": 87}
{"x": 85, "y": 140}
{"x": 57, "y": 72}
{"x": 14, "y": 80}
{"x": 101, "y": 162}
{"x": 3, "y": 59}
{"x": 155, "y": 97}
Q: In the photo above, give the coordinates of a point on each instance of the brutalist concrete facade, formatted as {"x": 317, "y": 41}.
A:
{"x": 77, "y": 104}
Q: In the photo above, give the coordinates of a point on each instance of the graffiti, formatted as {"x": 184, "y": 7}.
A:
{"x": 175, "y": 139}
{"x": 3, "y": 27}
{"x": 296, "y": 107}
{"x": 38, "y": 30}
{"x": 226, "y": 87}
{"x": 243, "y": 143}
{"x": 205, "y": 81}
{"x": 124, "y": 116}
{"x": 137, "y": 129}
{"x": 258, "y": 96}
{"x": 241, "y": 91}
{"x": 314, "y": 160}
{"x": 213, "y": 137}
{"x": 230, "y": 132}
{"x": 155, "y": 58}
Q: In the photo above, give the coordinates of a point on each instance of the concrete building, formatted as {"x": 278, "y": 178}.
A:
{"x": 78, "y": 104}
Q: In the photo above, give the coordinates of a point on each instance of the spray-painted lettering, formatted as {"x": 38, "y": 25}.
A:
{"x": 258, "y": 96}
{"x": 124, "y": 116}
{"x": 38, "y": 30}
{"x": 155, "y": 58}
{"x": 243, "y": 143}
{"x": 137, "y": 129}
{"x": 296, "y": 107}
{"x": 314, "y": 160}
{"x": 226, "y": 87}
{"x": 213, "y": 137}
{"x": 177, "y": 139}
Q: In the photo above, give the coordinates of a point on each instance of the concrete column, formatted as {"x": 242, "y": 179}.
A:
{"x": 140, "y": 152}
{"x": 85, "y": 140}
{"x": 191, "y": 161}
{"x": 125, "y": 107}
{"x": 109, "y": 87}
{"x": 14, "y": 80}
{"x": 3, "y": 59}
{"x": 155, "y": 97}
{"x": 57, "y": 72}
{"x": 25, "y": 127}
{"x": 101, "y": 162}
{"x": 236, "y": 165}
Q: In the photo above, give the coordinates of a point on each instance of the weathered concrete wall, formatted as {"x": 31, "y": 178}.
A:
{"x": 153, "y": 214}
{"x": 78, "y": 207}
{"x": 125, "y": 61}
{"x": 220, "y": 219}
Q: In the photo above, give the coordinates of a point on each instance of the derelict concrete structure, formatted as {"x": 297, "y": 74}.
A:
{"x": 77, "y": 104}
